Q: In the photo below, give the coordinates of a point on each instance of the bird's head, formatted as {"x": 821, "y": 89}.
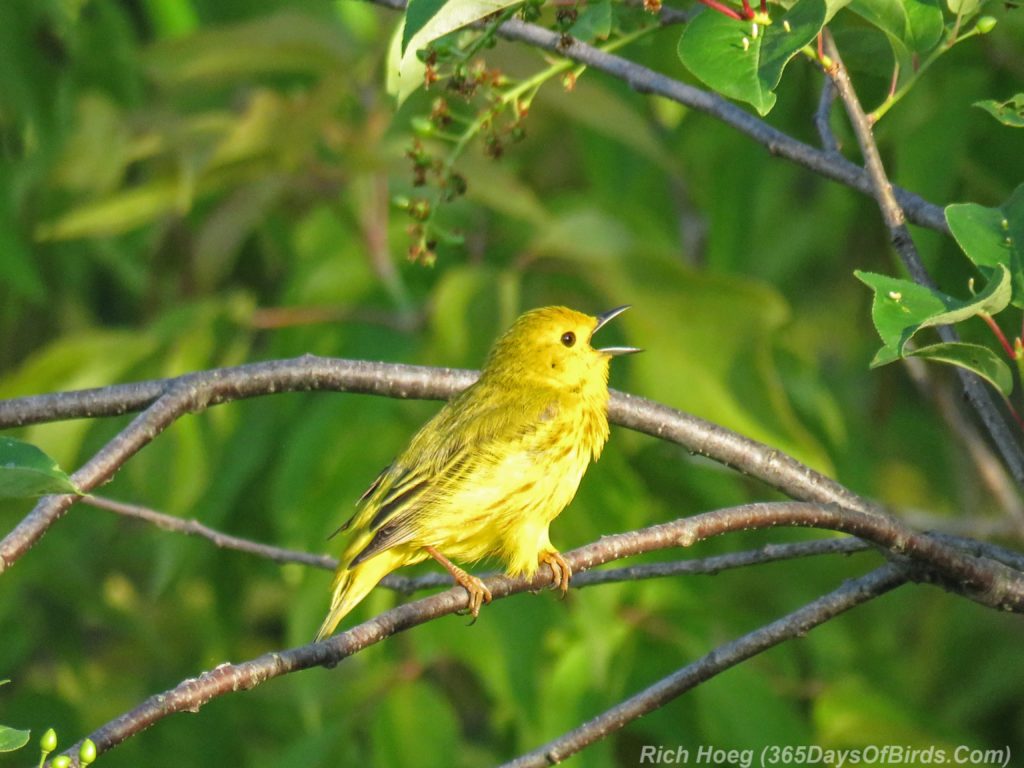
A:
{"x": 553, "y": 344}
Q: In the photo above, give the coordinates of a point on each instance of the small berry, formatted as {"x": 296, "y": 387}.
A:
{"x": 439, "y": 113}
{"x": 566, "y": 16}
{"x": 420, "y": 210}
{"x": 493, "y": 147}
{"x": 422, "y": 126}
{"x": 455, "y": 186}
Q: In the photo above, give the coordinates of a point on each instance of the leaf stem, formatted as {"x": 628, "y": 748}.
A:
{"x": 994, "y": 326}
{"x": 899, "y": 93}
{"x": 525, "y": 91}
{"x": 725, "y": 9}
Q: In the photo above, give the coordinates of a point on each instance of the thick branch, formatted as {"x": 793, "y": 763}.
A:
{"x": 796, "y": 624}
{"x": 892, "y": 210}
{"x": 167, "y": 399}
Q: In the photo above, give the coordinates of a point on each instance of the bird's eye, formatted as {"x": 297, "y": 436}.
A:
{"x": 568, "y": 338}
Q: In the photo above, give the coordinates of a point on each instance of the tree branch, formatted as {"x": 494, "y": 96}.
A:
{"x": 194, "y": 392}
{"x": 892, "y": 211}
{"x": 218, "y": 538}
{"x": 796, "y": 624}
{"x": 920, "y": 558}
{"x": 708, "y": 565}
{"x": 165, "y": 400}
{"x": 192, "y": 694}
{"x": 408, "y": 585}
{"x": 821, "y": 117}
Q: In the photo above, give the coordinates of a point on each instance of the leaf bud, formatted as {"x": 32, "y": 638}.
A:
{"x": 986, "y": 24}
{"x": 87, "y": 752}
{"x": 48, "y": 742}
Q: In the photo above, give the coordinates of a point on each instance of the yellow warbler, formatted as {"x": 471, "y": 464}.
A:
{"x": 488, "y": 474}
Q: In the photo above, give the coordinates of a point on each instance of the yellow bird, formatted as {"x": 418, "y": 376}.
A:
{"x": 487, "y": 475}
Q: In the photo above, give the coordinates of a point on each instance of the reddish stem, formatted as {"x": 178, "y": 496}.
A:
{"x": 748, "y": 12}
{"x": 764, "y": 7}
{"x": 1013, "y": 412}
{"x": 722, "y": 8}
{"x": 895, "y": 80}
{"x": 999, "y": 335}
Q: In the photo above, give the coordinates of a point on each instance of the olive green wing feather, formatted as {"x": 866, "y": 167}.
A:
{"x": 442, "y": 455}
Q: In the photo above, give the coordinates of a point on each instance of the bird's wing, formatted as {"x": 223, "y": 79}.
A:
{"x": 438, "y": 460}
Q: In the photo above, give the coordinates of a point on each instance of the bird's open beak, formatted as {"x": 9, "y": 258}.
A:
{"x": 602, "y": 320}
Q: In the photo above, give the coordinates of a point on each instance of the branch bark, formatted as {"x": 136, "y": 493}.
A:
{"x": 892, "y": 211}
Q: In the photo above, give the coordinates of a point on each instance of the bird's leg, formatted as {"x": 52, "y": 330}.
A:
{"x": 560, "y": 570}
{"x": 478, "y": 591}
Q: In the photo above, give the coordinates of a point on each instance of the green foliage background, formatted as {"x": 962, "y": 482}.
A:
{"x": 189, "y": 184}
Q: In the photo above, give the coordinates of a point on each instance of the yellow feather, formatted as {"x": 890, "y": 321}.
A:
{"x": 488, "y": 474}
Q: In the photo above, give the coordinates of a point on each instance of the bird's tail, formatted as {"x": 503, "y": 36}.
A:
{"x": 351, "y": 585}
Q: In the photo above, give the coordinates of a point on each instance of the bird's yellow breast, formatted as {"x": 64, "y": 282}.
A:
{"x": 513, "y": 496}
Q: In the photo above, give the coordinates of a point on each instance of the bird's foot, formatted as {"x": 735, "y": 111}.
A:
{"x": 478, "y": 591}
{"x": 561, "y": 572}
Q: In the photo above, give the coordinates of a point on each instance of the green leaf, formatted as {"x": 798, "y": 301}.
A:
{"x": 974, "y": 357}
{"x": 594, "y": 22}
{"x": 712, "y": 47}
{"x": 1009, "y": 112}
{"x": 26, "y": 471}
{"x": 417, "y": 14}
{"x": 446, "y": 17}
{"x": 12, "y": 739}
{"x": 911, "y": 26}
{"x": 901, "y": 308}
{"x": 993, "y": 236}
{"x": 118, "y": 213}
{"x": 963, "y": 7}
{"x": 284, "y": 42}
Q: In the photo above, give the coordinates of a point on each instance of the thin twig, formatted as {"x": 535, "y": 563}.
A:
{"x": 408, "y": 585}
{"x": 990, "y": 471}
{"x": 708, "y": 565}
{"x": 895, "y": 221}
{"x": 822, "y": 116}
{"x": 796, "y": 624}
{"x": 218, "y": 538}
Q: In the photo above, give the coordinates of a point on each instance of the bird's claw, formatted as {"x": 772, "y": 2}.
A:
{"x": 561, "y": 572}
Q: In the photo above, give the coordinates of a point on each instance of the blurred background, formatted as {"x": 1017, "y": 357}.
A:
{"x": 189, "y": 184}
